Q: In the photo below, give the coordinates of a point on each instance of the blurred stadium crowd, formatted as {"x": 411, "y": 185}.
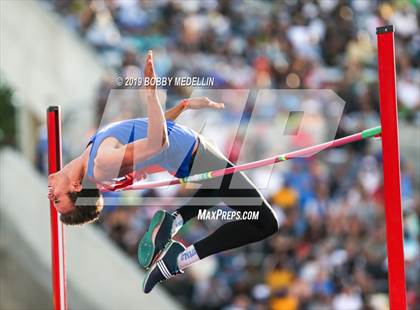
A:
{"x": 331, "y": 251}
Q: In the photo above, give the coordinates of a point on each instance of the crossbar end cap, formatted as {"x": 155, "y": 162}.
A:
{"x": 385, "y": 29}
{"x": 53, "y": 108}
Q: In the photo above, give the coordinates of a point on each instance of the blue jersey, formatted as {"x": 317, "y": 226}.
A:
{"x": 175, "y": 159}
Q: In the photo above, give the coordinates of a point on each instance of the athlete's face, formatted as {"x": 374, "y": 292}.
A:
{"x": 59, "y": 185}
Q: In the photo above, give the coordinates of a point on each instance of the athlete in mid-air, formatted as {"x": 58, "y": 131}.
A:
{"x": 145, "y": 144}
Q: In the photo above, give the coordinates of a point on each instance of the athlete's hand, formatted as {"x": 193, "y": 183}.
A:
{"x": 139, "y": 175}
{"x": 149, "y": 71}
{"x": 197, "y": 103}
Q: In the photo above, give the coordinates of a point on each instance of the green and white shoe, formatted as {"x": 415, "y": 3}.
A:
{"x": 165, "y": 267}
{"x": 156, "y": 237}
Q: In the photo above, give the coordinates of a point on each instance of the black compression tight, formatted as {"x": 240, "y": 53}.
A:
{"x": 237, "y": 192}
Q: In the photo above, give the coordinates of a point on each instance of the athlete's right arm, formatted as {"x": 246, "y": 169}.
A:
{"x": 157, "y": 133}
{"x": 112, "y": 161}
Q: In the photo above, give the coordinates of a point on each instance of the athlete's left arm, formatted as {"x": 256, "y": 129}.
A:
{"x": 195, "y": 103}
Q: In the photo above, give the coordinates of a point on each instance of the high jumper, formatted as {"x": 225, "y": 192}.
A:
{"x": 129, "y": 148}
{"x": 137, "y": 145}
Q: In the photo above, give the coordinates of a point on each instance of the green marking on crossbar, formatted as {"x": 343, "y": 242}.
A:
{"x": 282, "y": 158}
{"x": 197, "y": 178}
{"x": 371, "y": 132}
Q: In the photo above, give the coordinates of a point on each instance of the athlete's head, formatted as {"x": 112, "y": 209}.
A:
{"x": 77, "y": 203}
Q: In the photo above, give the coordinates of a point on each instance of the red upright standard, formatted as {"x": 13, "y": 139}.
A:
{"x": 57, "y": 239}
{"x": 391, "y": 167}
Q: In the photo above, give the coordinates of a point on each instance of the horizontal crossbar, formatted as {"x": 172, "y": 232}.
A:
{"x": 305, "y": 152}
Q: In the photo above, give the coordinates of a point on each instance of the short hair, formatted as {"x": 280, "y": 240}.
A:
{"x": 88, "y": 209}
